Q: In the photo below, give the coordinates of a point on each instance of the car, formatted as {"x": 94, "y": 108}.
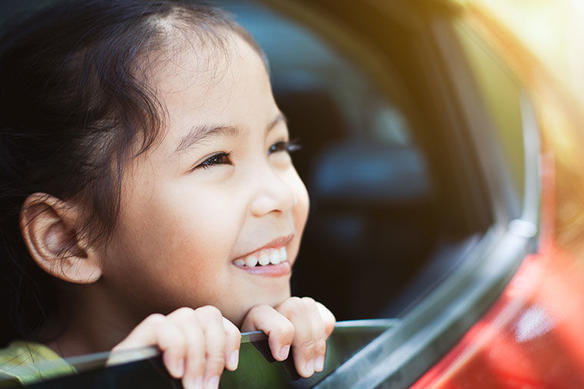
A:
{"x": 446, "y": 179}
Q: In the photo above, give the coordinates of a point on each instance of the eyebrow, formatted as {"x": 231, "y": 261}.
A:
{"x": 199, "y": 133}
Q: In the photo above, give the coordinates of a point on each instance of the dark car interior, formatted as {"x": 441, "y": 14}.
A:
{"x": 386, "y": 221}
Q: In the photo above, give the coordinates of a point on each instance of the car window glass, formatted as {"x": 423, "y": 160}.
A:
{"x": 501, "y": 95}
{"x": 379, "y": 235}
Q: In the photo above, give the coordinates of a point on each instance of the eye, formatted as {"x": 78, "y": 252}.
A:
{"x": 287, "y": 146}
{"x": 215, "y": 159}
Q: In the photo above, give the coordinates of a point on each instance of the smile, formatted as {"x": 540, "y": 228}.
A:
{"x": 265, "y": 257}
{"x": 270, "y": 260}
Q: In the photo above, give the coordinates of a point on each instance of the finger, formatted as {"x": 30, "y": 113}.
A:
{"x": 157, "y": 330}
{"x": 211, "y": 321}
{"x": 327, "y": 317}
{"x": 309, "y": 345}
{"x": 194, "y": 338}
{"x": 279, "y": 329}
{"x": 232, "y": 344}
{"x": 329, "y": 321}
{"x": 319, "y": 335}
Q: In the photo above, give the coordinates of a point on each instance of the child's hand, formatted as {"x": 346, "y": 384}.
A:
{"x": 196, "y": 344}
{"x": 301, "y": 323}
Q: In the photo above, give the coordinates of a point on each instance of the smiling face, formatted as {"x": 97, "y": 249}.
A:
{"x": 216, "y": 194}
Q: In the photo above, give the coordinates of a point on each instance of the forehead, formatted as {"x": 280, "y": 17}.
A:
{"x": 205, "y": 73}
{"x": 217, "y": 83}
{"x": 203, "y": 60}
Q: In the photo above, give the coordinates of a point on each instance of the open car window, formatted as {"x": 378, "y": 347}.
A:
{"x": 392, "y": 212}
{"x": 415, "y": 224}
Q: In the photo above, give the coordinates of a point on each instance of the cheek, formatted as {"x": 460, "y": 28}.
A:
{"x": 186, "y": 221}
{"x": 176, "y": 237}
{"x": 302, "y": 202}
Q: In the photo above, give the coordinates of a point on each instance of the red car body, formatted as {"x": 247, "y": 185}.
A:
{"x": 532, "y": 337}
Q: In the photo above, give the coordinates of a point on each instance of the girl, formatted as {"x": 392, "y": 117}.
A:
{"x": 148, "y": 196}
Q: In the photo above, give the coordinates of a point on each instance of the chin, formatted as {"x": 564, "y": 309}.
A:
{"x": 271, "y": 299}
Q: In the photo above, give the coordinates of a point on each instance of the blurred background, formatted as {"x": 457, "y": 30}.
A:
{"x": 552, "y": 29}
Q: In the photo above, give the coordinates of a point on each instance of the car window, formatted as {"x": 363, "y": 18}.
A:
{"x": 382, "y": 204}
{"x": 400, "y": 202}
{"x": 418, "y": 207}
{"x": 502, "y": 97}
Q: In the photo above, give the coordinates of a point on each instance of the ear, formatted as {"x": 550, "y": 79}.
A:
{"x": 49, "y": 228}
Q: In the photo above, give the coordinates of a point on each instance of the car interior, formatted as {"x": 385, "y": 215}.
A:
{"x": 386, "y": 222}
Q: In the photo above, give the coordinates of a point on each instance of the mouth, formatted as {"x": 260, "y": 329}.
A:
{"x": 269, "y": 260}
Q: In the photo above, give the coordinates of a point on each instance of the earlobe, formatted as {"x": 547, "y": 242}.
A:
{"x": 49, "y": 229}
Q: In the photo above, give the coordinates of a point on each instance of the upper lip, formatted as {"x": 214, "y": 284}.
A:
{"x": 276, "y": 243}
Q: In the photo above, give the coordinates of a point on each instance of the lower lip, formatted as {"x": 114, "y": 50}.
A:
{"x": 279, "y": 270}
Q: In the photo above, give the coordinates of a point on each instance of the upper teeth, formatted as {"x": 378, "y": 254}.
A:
{"x": 264, "y": 257}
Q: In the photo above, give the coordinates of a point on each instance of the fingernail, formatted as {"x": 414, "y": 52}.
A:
{"x": 284, "y": 351}
{"x": 309, "y": 367}
{"x": 319, "y": 364}
{"x": 233, "y": 360}
{"x": 178, "y": 368}
{"x": 212, "y": 383}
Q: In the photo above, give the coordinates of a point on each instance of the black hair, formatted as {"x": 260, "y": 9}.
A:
{"x": 73, "y": 108}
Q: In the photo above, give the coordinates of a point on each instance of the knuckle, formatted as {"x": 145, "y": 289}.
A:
{"x": 326, "y": 314}
{"x": 195, "y": 364}
{"x": 236, "y": 336}
{"x": 231, "y": 330}
{"x": 216, "y": 359}
{"x": 291, "y": 306}
{"x": 186, "y": 314}
{"x": 286, "y": 328}
{"x": 308, "y": 344}
{"x": 259, "y": 309}
{"x": 308, "y": 300}
{"x": 215, "y": 362}
{"x": 294, "y": 300}
{"x": 321, "y": 347}
{"x": 330, "y": 319}
{"x": 329, "y": 326}
{"x": 209, "y": 311}
{"x": 155, "y": 320}
{"x": 184, "y": 311}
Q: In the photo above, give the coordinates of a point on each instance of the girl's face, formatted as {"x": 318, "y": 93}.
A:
{"x": 216, "y": 194}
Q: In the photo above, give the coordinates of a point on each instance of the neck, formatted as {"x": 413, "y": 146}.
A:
{"x": 96, "y": 324}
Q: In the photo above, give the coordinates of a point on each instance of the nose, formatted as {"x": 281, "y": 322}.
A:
{"x": 271, "y": 193}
